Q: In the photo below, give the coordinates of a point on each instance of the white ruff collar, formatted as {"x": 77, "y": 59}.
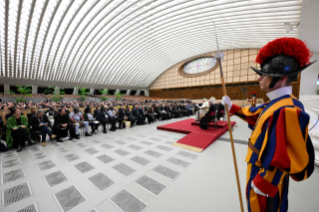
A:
{"x": 280, "y": 92}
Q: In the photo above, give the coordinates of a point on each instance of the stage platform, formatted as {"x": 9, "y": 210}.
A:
{"x": 197, "y": 139}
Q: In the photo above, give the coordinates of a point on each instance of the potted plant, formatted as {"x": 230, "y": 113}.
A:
{"x": 118, "y": 96}
{"x": 56, "y": 93}
{"x": 25, "y": 91}
{"x": 83, "y": 93}
{"x": 104, "y": 94}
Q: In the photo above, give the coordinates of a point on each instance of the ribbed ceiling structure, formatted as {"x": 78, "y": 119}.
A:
{"x": 129, "y": 42}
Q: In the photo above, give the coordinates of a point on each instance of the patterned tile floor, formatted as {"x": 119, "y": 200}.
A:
{"x": 135, "y": 169}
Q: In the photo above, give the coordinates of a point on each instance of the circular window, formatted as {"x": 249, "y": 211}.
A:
{"x": 198, "y": 67}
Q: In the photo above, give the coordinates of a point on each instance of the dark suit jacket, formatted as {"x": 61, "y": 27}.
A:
{"x": 100, "y": 116}
{"x": 141, "y": 112}
{"x": 121, "y": 114}
{"x": 136, "y": 112}
{"x": 157, "y": 110}
{"x": 35, "y": 122}
{"x": 58, "y": 120}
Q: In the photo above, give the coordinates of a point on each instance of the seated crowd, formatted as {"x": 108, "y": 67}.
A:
{"x": 65, "y": 119}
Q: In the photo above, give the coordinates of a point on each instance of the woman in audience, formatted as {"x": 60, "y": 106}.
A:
{"x": 17, "y": 131}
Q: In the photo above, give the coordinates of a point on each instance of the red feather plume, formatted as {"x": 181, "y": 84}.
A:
{"x": 254, "y": 92}
{"x": 288, "y": 46}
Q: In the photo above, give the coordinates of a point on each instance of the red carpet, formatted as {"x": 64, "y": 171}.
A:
{"x": 197, "y": 139}
{"x": 220, "y": 124}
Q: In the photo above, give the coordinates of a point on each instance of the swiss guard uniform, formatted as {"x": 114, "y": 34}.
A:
{"x": 279, "y": 145}
{"x": 253, "y": 99}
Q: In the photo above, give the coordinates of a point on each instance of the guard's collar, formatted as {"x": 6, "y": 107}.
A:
{"x": 280, "y": 92}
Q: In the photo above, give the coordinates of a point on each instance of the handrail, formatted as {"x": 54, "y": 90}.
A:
{"x": 317, "y": 120}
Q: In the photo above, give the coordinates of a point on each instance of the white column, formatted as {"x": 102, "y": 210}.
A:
{"x": 91, "y": 91}
{"x": 75, "y": 91}
{"x": 128, "y": 92}
{"x": 34, "y": 89}
{"x": 117, "y": 90}
{"x": 6, "y": 88}
{"x": 138, "y": 92}
{"x": 57, "y": 90}
{"x": 146, "y": 92}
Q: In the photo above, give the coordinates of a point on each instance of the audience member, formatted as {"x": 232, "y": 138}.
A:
{"x": 121, "y": 116}
{"x": 88, "y": 117}
{"x": 140, "y": 116}
{"x": 130, "y": 116}
{"x": 17, "y": 130}
{"x": 62, "y": 125}
{"x": 101, "y": 117}
{"x": 40, "y": 122}
{"x": 111, "y": 118}
{"x": 210, "y": 115}
{"x": 77, "y": 121}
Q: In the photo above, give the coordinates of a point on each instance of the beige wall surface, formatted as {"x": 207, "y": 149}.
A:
{"x": 309, "y": 77}
{"x": 236, "y": 69}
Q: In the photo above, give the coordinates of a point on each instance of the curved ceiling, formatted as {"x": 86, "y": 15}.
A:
{"x": 129, "y": 42}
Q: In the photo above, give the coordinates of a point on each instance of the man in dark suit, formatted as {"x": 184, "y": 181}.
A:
{"x": 121, "y": 116}
{"x": 62, "y": 125}
{"x": 66, "y": 110}
{"x": 176, "y": 111}
{"x": 168, "y": 110}
{"x": 183, "y": 109}
{"x": 165, "y": 114}
{"x": 100, "y": 116}
{"x": 139, "y": 115}
{"x": 158, "y": 112}
{"x": 40, "y": 122}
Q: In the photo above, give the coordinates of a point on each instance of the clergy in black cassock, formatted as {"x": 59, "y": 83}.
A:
{"x": 210, "y": 115}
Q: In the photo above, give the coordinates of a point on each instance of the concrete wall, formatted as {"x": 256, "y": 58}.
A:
{"x": 308, "y": 82}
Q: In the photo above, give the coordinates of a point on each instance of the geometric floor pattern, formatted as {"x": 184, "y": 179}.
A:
{"x": 133, "y": 170}
{"x": 64, "y": 175}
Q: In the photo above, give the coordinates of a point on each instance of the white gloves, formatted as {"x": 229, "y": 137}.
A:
{"x": 226, "y": 101}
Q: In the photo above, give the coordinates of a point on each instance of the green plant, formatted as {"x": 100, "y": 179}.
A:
{"x": 104, "y": 94}
{"x": 25, "y": 91}
{"x": 10, "y": 92}
{"x": 118, "y": 96}
{"x": 83, "y": 92}
{"x": 56, "y": 93}
{"x": 317, "y": 91}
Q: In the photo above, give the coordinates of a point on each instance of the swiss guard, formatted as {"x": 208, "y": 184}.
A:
{"x": 279, "y": 146}
{"x": 253, "y": 99}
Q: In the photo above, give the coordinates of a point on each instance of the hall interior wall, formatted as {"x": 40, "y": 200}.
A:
{"x": 309, "y": 77}
{"x": 237, "y": 75}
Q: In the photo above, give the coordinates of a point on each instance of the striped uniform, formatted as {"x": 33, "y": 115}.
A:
{"x": 253, "y": 102}
{"x": 279, "y": 147}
